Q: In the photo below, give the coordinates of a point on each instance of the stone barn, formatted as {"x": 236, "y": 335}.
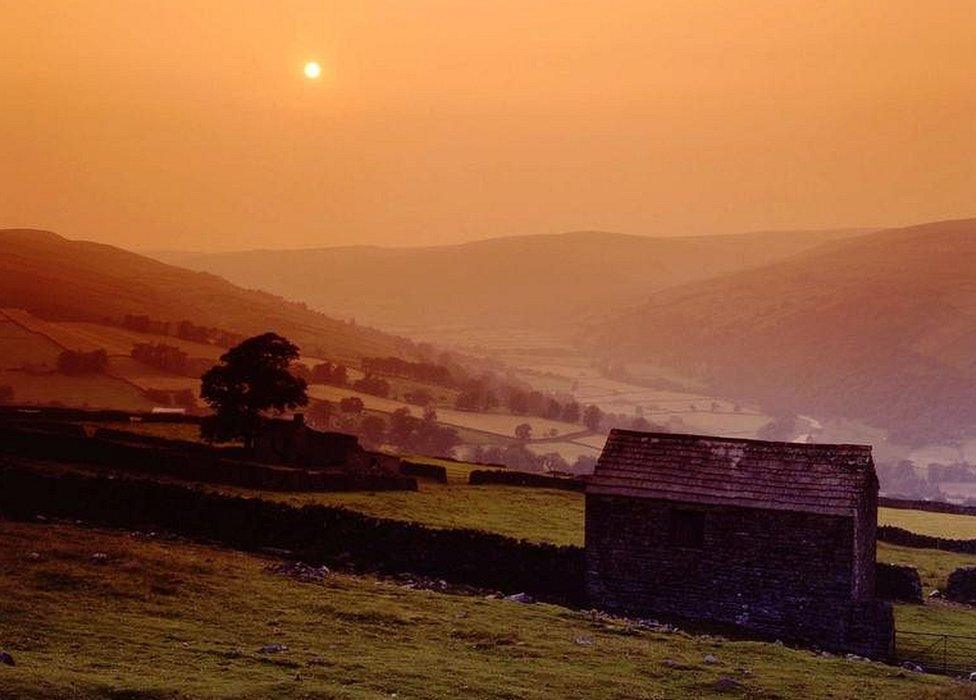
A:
{"x": 774, "y": 538}
{"x": 293, "y": 443}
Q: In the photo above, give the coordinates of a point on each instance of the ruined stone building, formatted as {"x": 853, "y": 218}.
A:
{"x": 293, "y": 443}
{"x": 776, "y": 538}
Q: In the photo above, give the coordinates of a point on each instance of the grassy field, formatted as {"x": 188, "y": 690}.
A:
{"x": 959, "y": 527}
{"x": 154, "y": 619}
{"x": 93, "y": 391}
{"x": 171, "y": 431}
{"x": 570, "y": 451}
{"x": 22, "y": 347}
{"x": 540, "y": 515}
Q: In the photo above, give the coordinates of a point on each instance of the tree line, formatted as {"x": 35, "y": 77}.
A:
{"x": 185, "y": 330}
{"x": 400, "y": 430}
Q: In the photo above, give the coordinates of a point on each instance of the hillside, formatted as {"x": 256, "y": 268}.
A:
{"x": 200, "y": 621}
{"x": 543, "y": 281}
{"x": 59, "y": 279}
{"x": 881, "y": 328}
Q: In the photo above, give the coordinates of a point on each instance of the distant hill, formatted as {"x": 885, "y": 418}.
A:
{"x": 548, "y": 281}
{"x": 880, "y": 327}
{"x": 60, "y": 279}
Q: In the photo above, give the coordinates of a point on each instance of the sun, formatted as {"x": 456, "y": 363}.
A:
{"x": 312, "y": 70}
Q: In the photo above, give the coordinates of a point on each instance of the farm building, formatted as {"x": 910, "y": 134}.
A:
{"x": 776, "y": 538}
{"x": 294, "y": 443}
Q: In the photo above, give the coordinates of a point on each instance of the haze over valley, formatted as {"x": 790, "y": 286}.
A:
{"x": 853, "y": 335}
{"x": 514, "y": 349}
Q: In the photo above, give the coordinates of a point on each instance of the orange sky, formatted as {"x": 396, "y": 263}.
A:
{"x": 182, "y": 124}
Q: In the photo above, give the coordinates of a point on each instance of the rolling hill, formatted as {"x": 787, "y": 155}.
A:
{"x": 544, "y": 281}
{"x": 880, "y": 327}
{"x": 59, "y": 279}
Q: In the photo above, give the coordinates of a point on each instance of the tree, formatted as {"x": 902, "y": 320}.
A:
{"x": 640, "y": 423}
{"x": 319, "y": 414}
{"x": 523, "y": 431}
{"x": 518, "y": 401}
{"x": 6, "y": 394}
{"x": 328, "y": 373}
{"x": 351, "y": 404}
{"x": 592, "y": 417}
{"x": 78, "y": 362}
{"x": 554, "y": 409}
{"x": 372, "y": 385}
{"x": 168, "y": 358}
{"x": 419, "y": 397}
{"x": 373, "y": 429}
{"x": 571, "y": 412}
{"x": 402, "y": 426}
{"x": 252, "y": 378}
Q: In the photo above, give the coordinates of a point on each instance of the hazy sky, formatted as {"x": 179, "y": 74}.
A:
{"x": 179, "y": 124}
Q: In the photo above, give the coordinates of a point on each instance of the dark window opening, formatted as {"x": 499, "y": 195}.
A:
{"x": 687, "y": 528}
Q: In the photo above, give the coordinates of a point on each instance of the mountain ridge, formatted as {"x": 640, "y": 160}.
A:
{"x": 881, "y": 327}
{"x": 64, "y": 279}
{"x": 545, "y": 280}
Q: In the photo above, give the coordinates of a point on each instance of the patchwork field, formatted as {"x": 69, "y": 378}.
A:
{"x": 155, "y": 619}
{"x": 697, "y": 412}
{"x": 500, "y": 424}
{"x": 39, "y": 341}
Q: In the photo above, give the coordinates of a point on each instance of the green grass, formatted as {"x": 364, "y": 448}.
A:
{"x": 934, "y": 566}
{"x": 918, "y": 629}
{"x": 161, "y": 620}
{"x": 960, "y": 527}
{"x": 170, "y": 431}
{"x": 539, "y": 515}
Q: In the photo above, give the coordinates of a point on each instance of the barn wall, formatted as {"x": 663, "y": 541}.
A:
{"x": 779, "y": 573}
{"x": 865, "y": 546}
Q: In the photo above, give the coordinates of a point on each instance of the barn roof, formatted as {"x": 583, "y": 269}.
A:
{"x": 828, "y": 479}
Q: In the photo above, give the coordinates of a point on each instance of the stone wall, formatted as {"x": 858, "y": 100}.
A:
{"x": 904, "y": 538}
{"x": 961, "y": 585}
{"x": 930, "y": 506}
{"x": 778, "y": 573}
{"x": 898, "y": 582}
{"x": 315, "y": 534}
{"x": 337, "y": 536}
{"x": 194, "y": 462}
{"x": 424, "y": 471}
{"x": 509, "y": 477}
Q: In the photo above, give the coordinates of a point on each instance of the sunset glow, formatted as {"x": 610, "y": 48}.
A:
{"x": 469, "y": 121}
{"x": 336, "y": 335}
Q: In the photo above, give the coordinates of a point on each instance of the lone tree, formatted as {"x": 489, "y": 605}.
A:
{"x": 252, "y": 378}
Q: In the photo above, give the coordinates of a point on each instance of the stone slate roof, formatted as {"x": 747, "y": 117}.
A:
{"x": 828, "y": 479}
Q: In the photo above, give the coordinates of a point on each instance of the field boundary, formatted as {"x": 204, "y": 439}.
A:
{"x": 906, "y": 538}
{"x": 189, "y": 461}
{"x": 313, "y": 533}
{"x": 929, "y": 506}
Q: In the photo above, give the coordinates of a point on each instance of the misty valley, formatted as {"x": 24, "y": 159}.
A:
{"x": 508, "y": 350}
